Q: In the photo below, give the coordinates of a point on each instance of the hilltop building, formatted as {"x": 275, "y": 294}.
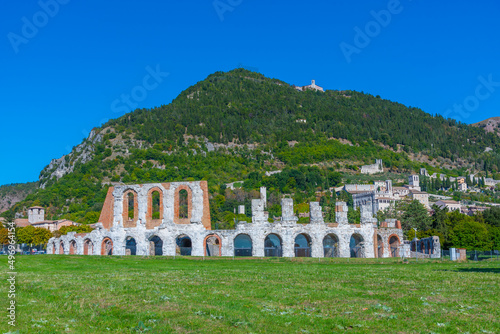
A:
{"x": 312, "y": 86}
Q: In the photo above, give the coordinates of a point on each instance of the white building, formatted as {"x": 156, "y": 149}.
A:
{"x": 420, "y": 196}
{"x": 414, "y": 182}
{"x": 377, "y": 167}
{"x": 312, "y": 86}
{"x": 449, "y": 204}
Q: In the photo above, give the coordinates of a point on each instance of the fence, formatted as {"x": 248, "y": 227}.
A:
{"x": 273, "y": 251}
{"x": 25, "y": 249}
{"x": 474, "y": 255}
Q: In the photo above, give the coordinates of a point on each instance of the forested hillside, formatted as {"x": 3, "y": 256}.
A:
{"x": 234, "y": 126}
{"x": 247, "y": 107}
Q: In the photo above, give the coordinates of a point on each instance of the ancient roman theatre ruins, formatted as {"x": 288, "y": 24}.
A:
{"x": 174, "y": 219}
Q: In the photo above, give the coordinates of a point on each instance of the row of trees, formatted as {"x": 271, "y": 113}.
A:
{"x": 478, "y": 232}
{"x": 37, "y": 235}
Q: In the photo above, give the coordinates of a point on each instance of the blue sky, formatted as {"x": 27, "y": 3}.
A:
{"x": 65, "y": 64}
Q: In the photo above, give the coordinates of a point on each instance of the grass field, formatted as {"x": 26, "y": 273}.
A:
{"x": 75, "y": 294}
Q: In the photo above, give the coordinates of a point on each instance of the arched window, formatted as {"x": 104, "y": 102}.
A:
{"x": 130, "y": 246}
{"x": 107, "y": 247}
{"x": 357, "y": 246}
{"x": 242, "y": 245}
{"x": 88, "y": 247}
{"x": 155, "y": 246}
{"x": 61, "y": 248}
{"x": 331, "y": 245}
{"x": 72, "y": 247}
{"x": 272, "y": 246}
{"x": 302, "y": 246}
{"x": 130, "y": 205}
{"x": 213, "y": 245}
{"x": 155, "y": 205}
{"x": 183, "y": 204}
{"x": 380, "y": 247}
{"x": 184, "y": 245}
{"x": 394, "y": 246}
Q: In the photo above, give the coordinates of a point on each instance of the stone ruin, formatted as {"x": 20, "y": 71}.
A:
{"x": 377, "y": 167}
{"x": 174, "y": 219}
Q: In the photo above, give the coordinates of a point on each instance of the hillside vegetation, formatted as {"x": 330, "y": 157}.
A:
{"x": 10, "y": 194}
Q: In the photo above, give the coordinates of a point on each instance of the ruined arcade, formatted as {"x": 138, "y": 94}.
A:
{"x": 174, "y": 219}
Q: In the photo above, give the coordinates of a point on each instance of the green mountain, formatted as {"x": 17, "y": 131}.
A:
{"x": 235, "y": 126}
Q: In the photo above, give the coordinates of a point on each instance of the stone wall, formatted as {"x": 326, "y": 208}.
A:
{"x": 377, "y": 167}
{"x": 164, "y": 239}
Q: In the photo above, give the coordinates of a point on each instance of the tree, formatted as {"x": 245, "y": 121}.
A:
{"x": 492, "y": 216}
{"x": 354, "y": 216}
{"x": 33, "y": 235}
{"x": 414, "y": 215}
{"x": 439, "y": 218}
{"x": 4, "y": 240}
{"x": 470, "y": 234}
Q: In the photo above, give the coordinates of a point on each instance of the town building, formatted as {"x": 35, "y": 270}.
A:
{"x": 420, "y": 196}
{"x": 449, "y": 204}
{"x": 36, "y": 218}
{"x": 462, "y": 186}
{"x": 382, "y": 195}
{"x": 414, "y": 182}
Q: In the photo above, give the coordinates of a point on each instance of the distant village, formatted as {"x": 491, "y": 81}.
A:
{"x": 383, "y": 195}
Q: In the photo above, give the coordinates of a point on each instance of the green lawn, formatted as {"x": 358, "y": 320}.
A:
{"x": 76, "y": 294}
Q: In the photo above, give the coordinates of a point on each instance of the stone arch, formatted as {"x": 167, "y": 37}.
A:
{"x": 155, "y": 246}
{"x": 130, "y": 208}
{"x": 130, "y": 246}
{"x": 243, "y": 245}
{"x": 212, "y": 245}
{"x": 380, "y": 246}
{"x": 331, "y": 245}
{"x": 302, "y": 245}
{"x": 357, "y": 245}
{"x": 88, "y": 247}
{"x": 394, "y": 244}
{"x": 61, "y": 247}
{"x": 54, "y": 247}
{"x": 183, "y": 245}
{"x": 107, "y": 246}
{"x": 182, "y": 212}
{"x": 154, "y": 215}
{"x": 273, "y": 245}
{"x": 72, "y": 247}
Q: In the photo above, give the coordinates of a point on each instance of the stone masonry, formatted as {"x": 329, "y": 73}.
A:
{"x": 119, "y": 232}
